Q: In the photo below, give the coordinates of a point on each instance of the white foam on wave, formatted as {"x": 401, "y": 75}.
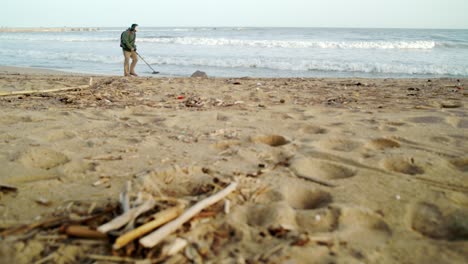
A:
{"x": 67, "y": 57}
{"x": 315, "y": 65}
{"x": 291, "y": 44}
{"x": 418, "y": 44}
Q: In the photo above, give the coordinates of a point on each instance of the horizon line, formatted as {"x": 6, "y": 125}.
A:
{"x": 331, "y": 27}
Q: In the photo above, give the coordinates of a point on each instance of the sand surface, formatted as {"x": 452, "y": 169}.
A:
{"x": 329, "y": 170}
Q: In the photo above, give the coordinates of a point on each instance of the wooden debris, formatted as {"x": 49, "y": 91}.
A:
{"x": 7, "y": 188}
{"x": 313, "y": 179}
{"x": 156, "y": 237}
{"x": 105, "y": 158}
{"x": 102, "y": 181}
{"x": 54, "y": 221}
{"x": 125, "y": 197}
{"x": 13, "y": 93}
{"x": 43, "y": 201}
{"x": 84, "y": 232}
{"x": 159, "y": 219}
{"x": 227, "y": 206}
{"x": 175, "y": 247}
{"x": 123, "y": 219}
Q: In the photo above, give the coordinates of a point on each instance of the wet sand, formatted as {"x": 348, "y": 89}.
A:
{"x": 329, "y": 170}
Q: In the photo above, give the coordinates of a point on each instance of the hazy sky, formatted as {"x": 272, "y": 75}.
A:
{"x": 237, "y": 13}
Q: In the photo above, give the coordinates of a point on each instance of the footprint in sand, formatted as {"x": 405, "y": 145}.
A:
{"x": 313, "y": 213}
{"x": 402, "y": 165}
{"x": 311, "y": 168}
{"x": 273, "y": 215}
{"x": 457, "y": 122}
{"x": 362, "y": 227}
{"x": 58, "y": 135}
{"x": 305, "y": 198}
{"x": 426, "y": 119}
{"x": 382, "y": 143}
{"x": 319, "y": 220}
{"x": 461, "y": 164}
{"x": 297, "y": 195}
{"x": 271, "y": 140}
{"x": 311, "y": 129}
{"x": 439, "y": 139}
{"x": 226, "y": 144}
{"x": 43, "y": 158}
{"x": 428, "y": 220}
{"x": 291, "y": 208}
{"x": 340, "y": 144}
{"x": 395, "y": 123}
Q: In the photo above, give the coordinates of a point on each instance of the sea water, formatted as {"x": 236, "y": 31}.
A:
{"x": 254, "y": 52}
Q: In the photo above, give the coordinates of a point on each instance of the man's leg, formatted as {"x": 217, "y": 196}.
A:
{"x": 134, "y": 62}
{"x": 127, "y": 63}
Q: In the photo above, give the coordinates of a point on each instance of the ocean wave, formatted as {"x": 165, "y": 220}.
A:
{"x": 66, "y": 57}
{"x": 276, "y": 64}
{"x": 290, "y": 44}
{"x": 421, "y": 44}
{"x": 314, "y": 65}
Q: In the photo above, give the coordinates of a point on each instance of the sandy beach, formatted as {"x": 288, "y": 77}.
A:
{"x": 328, "y": 170}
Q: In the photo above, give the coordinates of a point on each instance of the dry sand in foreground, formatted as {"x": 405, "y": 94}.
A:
{"x": 329, "y": 170}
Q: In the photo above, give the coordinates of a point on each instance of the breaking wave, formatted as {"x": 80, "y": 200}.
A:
{"x": 294, "y": 43}
{"x": 290, "y": 44}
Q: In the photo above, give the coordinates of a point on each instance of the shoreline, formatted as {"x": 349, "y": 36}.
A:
{"x": 6, "y": 69}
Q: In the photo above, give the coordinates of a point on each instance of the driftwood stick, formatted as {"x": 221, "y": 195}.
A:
{"x": 26, "y": 228}
{"x": 32, "y": 178}
{"x": 84, "y": 232}
{"x": 125, "y": 197}
{"x": 157, "y": 236}
{"x": 7, "y": 188}
{"x": 43, "y": 91}
{"x": 159, "y": 219}
{"x": 123, "y": 219}
{"x": 47, "y": 90}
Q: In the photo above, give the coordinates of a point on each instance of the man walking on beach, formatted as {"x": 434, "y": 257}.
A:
{"x": 127, "y": 42}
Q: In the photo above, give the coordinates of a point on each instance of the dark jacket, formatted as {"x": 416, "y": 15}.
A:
{"x": 127, "y": 40}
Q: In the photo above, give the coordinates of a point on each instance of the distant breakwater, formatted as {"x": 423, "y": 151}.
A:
{"x": 46, "y": 29}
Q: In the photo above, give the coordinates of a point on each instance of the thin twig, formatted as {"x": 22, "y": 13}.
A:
{"x": 84, "y": 232}
{"x": 312, "y": 179}
{"x": 123, "y": 219}
{"x": 13, "y": 93}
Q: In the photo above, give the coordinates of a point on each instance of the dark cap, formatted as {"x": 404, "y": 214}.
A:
{"x": 134, "y": 26}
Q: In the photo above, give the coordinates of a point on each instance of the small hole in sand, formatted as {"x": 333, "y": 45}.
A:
{"x": 402, "y": 165}
{"x": 271, "y": 140}
{"x": 382, "y": 143}
{"x": 460, "y": 164}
